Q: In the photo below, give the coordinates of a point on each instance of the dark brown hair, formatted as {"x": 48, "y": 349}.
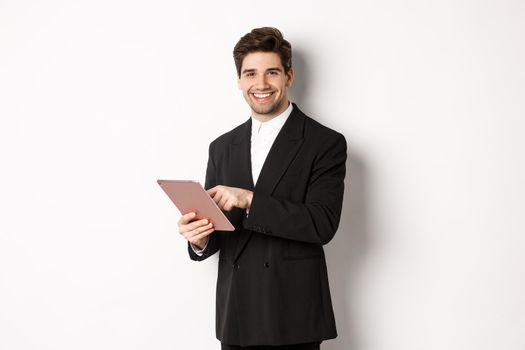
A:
{"x": 266, "y": 39}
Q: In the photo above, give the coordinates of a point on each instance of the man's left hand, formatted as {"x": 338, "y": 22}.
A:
{"x": 228, "y": 198}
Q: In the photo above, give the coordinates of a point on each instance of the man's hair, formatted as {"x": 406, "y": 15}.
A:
{"x": 265, "y": 39}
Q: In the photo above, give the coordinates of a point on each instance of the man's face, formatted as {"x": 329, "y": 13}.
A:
{"x": 264, "y": 84}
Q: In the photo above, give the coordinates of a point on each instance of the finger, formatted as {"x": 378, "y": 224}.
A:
{"x": 212, "y": 191}
{"x": 201, "y": 235}
{"x": 196, "y": 224}
{"x": 184, "y": 229}
{"x": 222, "y": 202}
{"x": 229, "y": 205}
{"x": 218, "y": 197}
{"x": 191, "y": 233}
{"x": 202, "y": 229}
{"x": 217, "y": 193}
{"x": 186, "y": 218}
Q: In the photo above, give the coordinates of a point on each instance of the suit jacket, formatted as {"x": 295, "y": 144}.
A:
{"x": 272, "y": 284}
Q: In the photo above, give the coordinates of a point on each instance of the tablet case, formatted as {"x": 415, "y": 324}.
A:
{"x": 190, "y": 196}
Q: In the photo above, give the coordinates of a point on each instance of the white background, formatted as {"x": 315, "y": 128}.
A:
{"x": 98, "y": 99}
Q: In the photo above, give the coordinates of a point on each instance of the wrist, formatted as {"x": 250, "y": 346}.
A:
{"x": 201, "y": 243}
{"x": 249, "y": 199}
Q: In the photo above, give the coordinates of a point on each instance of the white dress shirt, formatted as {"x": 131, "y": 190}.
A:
{"x": 263, "y": 137}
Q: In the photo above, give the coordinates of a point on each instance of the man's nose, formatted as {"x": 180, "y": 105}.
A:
{"x": 261, "y": 82}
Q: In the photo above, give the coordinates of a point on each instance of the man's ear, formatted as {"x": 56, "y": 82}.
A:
{"x": 289, "y": 77}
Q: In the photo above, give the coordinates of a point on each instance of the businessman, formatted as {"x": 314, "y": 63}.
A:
{"x": 279, "y": 177}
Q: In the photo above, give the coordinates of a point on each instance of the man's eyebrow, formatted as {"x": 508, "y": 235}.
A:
{"x": 251, "y": 70}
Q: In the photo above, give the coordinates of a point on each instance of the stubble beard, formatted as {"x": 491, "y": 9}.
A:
{"x": 270, "y": 108}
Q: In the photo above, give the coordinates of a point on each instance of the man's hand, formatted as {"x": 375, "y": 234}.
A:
{"x": 228, "y": 198}
{"x": 195, "y": 232}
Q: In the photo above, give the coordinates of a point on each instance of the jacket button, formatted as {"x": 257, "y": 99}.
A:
{"x": 267, "y": 264}
{"x": 236, "y": 266}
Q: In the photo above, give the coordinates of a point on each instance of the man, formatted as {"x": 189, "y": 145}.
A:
{"x": 280, "y": 179}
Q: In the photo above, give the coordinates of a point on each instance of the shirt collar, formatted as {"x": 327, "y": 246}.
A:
{"x": 274, "y": 123}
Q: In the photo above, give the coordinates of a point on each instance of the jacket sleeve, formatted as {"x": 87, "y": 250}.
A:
{"x": 316, "y": 219}
{"x": 214, "y": 239}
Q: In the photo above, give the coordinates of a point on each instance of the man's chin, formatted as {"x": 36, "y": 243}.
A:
{"x": 264, "y": 109}
{"x": 264, "y": 112}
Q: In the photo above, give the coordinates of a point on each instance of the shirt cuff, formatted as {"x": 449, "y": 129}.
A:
{"x": 197, "y": 250}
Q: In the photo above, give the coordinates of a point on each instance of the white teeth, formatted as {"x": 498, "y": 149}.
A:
{"x": 261, "y": 95}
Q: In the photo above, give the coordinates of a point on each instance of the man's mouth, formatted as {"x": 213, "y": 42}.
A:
{"x": 262, "y": 96}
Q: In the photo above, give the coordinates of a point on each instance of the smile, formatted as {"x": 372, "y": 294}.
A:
{"x": 262, "y": 97}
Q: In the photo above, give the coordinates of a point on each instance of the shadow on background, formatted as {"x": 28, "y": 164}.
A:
{"x": 299, "y": 92}
{"x": 346, "y": 252}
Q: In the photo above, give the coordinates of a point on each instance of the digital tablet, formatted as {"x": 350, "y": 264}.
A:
{"x": 190, "y": 196}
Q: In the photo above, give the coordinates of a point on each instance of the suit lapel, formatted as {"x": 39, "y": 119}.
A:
{"x": 240, "y": 164}
{"x": 285, "y": 147}
{"x": 281, "y": 154}
{"x": 239, "y": 170}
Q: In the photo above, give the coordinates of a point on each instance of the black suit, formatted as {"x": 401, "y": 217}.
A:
{"x": 272, "y": 285}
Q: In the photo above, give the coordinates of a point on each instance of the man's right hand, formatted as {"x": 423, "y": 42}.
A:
{"x": 196, "y": 232}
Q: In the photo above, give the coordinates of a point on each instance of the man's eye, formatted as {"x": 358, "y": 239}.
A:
{"x": 273, "y": 73}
